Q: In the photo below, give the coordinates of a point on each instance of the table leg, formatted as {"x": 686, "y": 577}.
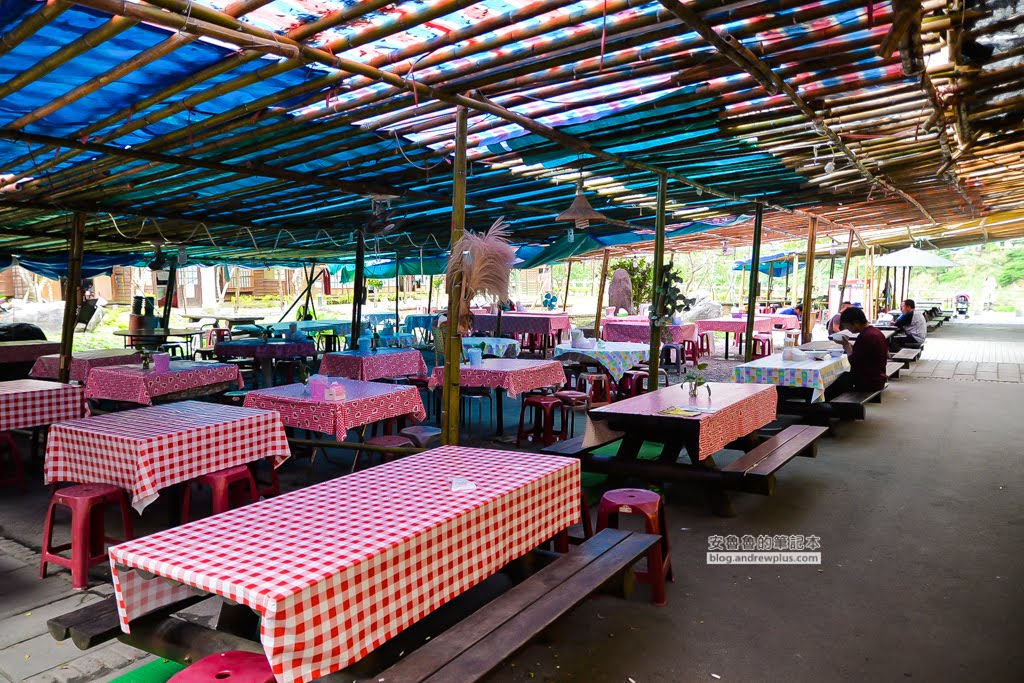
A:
{"x": 499, "y": 406}
{"x": 173, "y": 496}
{"x": 267, "y": 366}
{"x": 727, "y": 346}
{"x": 720, "y": 504}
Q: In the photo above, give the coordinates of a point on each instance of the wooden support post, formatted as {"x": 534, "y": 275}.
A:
{"x": 453, "y": 350}
{"x": 358, "y": 291}
{"x": 796, "y": 268}
{"x": 568, "y": 273}
{"x": 74, "y": 283}
{"x": 430, "y": 294}
{"x": 398, "y": 264}
{"x": 808, "y": 317}
{"x": 659, "y": 276}
{"x": 172, "y": 287}
{"x": 846, "y": 267}
{"x": 600, "y": 295}
{"x": 755, "y": 268}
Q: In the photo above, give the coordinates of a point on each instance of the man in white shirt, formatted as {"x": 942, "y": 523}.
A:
{"x": 913, "y": 328}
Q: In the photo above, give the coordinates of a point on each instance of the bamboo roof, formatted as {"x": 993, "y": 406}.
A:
{"x": 268, "y": 129}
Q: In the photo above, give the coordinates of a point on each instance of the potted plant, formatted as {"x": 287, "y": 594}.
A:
{"x": 694, "y": 379}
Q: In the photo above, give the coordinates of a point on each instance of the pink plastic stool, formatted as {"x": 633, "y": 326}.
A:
{"x": 651, "y": 507}
{"x": 232, "y": 667}
{"x": 88, "y": 536}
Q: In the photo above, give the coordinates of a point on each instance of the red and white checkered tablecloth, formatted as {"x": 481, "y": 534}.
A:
{"x": 522, "y": 323}
{"x": 734, "y": 325}
{"x": 26, "y": 351}
{"x": 28, "y": 403}
{"x": 738, "y": 410}
{"x": 339, "y": 568}
{"x": 514, "y": 375}
{"x": 132, "y": 383}
{"x": 148, "y": 449}
{"x": 364, "y": 402}
{"x": 369, "y": 365}
{"x": 48, "y": 367}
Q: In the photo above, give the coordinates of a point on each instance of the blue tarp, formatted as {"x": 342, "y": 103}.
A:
{"x": 781, "y": 264}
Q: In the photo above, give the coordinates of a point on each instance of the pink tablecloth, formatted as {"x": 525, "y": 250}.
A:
{"x": 336, "y": 569}
{"x": 734, "y": 325}
{"x": 522, "y": 323}
{"x": 47, "y": 367}
{"x": 26, "y": 351}
{"x": 511, "y": 374}
{"x": 640, "y": 332}
{"x": 28, "y": 403}
{"x": 132, "y": 383}
{"x": 368, "y": 365}
{"x": 254, "y": 348}
{"x": 739, "y": 409}
{"x": 148, "y": 449}
{"x": 788, "y": 322}
{"x": 364, "y": 402}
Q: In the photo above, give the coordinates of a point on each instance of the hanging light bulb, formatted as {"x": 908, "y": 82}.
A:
{"x": 830, "y": 166}
{"x": 580, "y": 212}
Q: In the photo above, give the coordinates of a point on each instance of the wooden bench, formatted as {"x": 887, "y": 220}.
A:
{"x": 754, "y": 472}
{"x": 466, "y": 651}
{"x": 907, "y": 355}
{"x": 892, "y": 369}
{"x": 476, "y": 645}
{"x": 850, "y": 406}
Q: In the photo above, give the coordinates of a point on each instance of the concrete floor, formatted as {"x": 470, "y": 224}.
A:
{"x": 919, "y": 513}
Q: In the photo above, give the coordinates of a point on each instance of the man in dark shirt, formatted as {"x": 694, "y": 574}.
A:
{"x": 867, "y": 357}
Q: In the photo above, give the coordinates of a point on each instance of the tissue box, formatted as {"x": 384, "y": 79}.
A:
{"x": 334, "y": 392}
{"x": 161, "y": 362}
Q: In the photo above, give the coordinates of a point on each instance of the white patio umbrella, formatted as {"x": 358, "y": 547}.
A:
{"x": 911, "y": 257}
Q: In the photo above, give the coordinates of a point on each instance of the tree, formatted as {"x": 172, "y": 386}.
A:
{"x": 1013, "y": 268}
{"x": 641, "y": 276}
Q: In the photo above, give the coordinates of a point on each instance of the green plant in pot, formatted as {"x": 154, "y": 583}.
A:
{"x": 694, "y": 379}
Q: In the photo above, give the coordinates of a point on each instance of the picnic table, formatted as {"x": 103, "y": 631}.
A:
{"x": 615, "y": 357}
{"x": 364, "y": 403}
{"x": 225, "y": 321}
{"x": 28, "y": 403}
{"x": 370, "y": 365}
{"x": 184, "y": 379}
{"x": 736, "y": 326}
{"x": 512, "y": 375}
{"x": 152, "y": 339}
{"x": 829, "y": 345}
{"x": 48, "y": 366}
{"x": 810, "y": 374}
{"x": 522, "y": 322}
{"x": 502, "y": 347}
{"x": 637, "y": 329}
{"x": 26, "y": 351}
{"x": 147, "y": 450}
{"x": 420, "y": 321}
{"x": 378, "y": 318}
{"x": 264, "y": 352}
{"x": 336, "y": 569}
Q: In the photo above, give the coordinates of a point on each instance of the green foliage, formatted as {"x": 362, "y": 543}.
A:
{"x": 641, "y": 275}
{"x": 1013, "y": 268}
{"x": 668, "y": 297}
{"x": 694, "y": 379}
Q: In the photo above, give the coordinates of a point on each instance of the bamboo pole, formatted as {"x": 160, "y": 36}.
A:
{"x": 453, "y": 352}
{"x": 600, "y": 294}
{"x": 398, "y": 269}
{"x": 74, "y": 283}
{"x": 653, "y": 362}
{"x": 568, "y": 273}
{"x": 755, "y": 268}
{"x": 808, "y": 317}
{"x": 358, "y": 290}
{"x": 169, "y": 291}
{"x": 846, "y": 268}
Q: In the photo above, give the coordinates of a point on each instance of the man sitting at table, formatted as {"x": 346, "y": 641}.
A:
{"x": 833, "y": 323}
{"x": 912, "y": 328}
{"x": 867, "y": 357}
{"x": 797, "y": 310}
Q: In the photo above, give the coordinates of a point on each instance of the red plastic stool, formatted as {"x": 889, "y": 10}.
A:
{"x": 573, "y": 401}
{"x": 543, "y": 408}
{"x": 597, "y": 386}
{"x": 221, "y": 482}
{"x": 386, "y": 442}
{"x": 217, "y": 334}
{"x": 706, "y": 343}
{"x": 88, "y": 535}
{"x": 634, "y": 383}
{"x": 762, "y": 345}
{"x": 691, "y": 351}
{"x": 233, "y": 667}
{"x": 266, "y": 489}
{"x": 651, "y": 507}
{"x": 17, "y": 469}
